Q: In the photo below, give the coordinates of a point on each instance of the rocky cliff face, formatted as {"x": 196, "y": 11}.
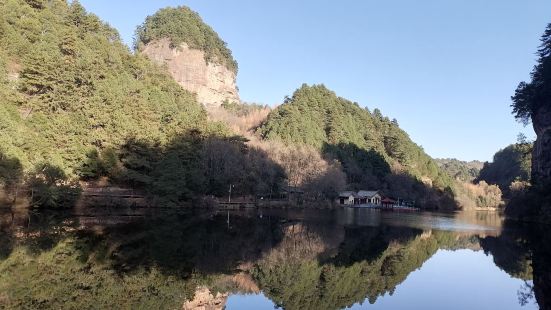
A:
{"x": 205, "y": 300}
{"x": 541, "y": 156}
{"x": 213, "y": 83}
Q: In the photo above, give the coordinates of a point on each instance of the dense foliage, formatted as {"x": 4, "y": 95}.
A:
{"x": 369, "y": 145}
{"x": 71, "y": 87}
{"x": 532, "y": 96}
{"x": 242, "y": 109}
{"x": 182, "y": 25}
{"x": 460, "y": 170}
{"x": 478, "y": 196}
{"x": 77, "y": 101}
{"x": 532, "y": 102}
{"x": 509, "y": 165}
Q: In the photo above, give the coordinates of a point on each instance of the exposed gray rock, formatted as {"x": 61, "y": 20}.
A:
{"x": 212, "y": 82}
{"x": 541, "y": 156}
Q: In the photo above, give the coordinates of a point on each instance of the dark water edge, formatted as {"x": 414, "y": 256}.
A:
{"x": 289, "y": 258}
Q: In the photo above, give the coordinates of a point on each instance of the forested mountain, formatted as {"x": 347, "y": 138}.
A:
{"x": 78, "y": 105}
{"x": 532, "y": 103}
{"x": 71, "y": 86}
{"x": 460, "y": 170}
{"x": 373, "y": 150}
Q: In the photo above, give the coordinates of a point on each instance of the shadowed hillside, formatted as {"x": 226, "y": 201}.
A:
{"x": 510, "y": 165}
{"x": 371, "y": 148}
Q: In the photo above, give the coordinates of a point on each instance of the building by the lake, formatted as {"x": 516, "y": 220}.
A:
{"x": 360, "y": 197}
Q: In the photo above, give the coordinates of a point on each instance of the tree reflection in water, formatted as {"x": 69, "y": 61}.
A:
{"x": 298, "y": 259}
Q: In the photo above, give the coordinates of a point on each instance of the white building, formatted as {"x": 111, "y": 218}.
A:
{"x": 360, "y": 198}
{"x": 370, "y": 197}
{"x": 346, "y": 198}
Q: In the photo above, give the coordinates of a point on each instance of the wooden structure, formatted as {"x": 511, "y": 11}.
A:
{"x": 388, "y": 202}
{"x": 361, "y": 197}
{"x": 112, "y": 192}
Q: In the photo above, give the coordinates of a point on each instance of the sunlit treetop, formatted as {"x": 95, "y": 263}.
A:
{"x": 531, "y": 96}
{"x": 182, "y": 25}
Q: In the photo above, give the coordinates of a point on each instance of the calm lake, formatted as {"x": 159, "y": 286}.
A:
{"x": 266, "y": 259}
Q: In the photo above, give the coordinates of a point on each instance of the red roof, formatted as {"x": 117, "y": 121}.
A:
{"x": 388, "y": 200}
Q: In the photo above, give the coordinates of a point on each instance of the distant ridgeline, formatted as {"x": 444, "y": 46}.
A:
{"x": 460, "y": 170}
{"x": 373, "y": 150}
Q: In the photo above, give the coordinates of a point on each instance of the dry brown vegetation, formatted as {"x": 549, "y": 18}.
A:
{"x": 478, "y": 196}
{"x": 303, "y": 165}
{"x": 243, "y": 124}
{"x": 518, "y": 188}
{"x": 322, "y": 178}
{"x": 307, "y": 169}
{"x": 301, "y": 243}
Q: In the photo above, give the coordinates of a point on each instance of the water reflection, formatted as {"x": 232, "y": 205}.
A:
{"x": 294, "y": 259}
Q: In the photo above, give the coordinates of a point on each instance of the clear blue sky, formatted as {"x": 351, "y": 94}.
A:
{"x": 444, "y": 69}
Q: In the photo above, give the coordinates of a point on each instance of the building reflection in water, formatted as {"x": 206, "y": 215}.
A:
{"x": 296, "y": 259}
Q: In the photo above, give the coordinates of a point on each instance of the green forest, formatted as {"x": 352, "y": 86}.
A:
{"x": 119, "y": 189}
{"x": 316, "y": 116}
{"x": 460, "y": 170}
{"x": 373, "y": 150}
{"x": 81, "y": 108}
{"x": 78, "y": 106}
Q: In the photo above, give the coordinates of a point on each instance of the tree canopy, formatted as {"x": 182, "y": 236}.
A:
{"x": 75, "y": 99}
{"x": 367, "y": 144}
{"x": 182, "y": 25}
{"x": 71, "y": 86}
{"x": 460, "y": 170}
{"x": 531, "y": 96}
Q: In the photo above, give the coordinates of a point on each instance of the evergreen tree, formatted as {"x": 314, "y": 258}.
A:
{"x": 182, "y": 25}
{"x": 531, "y": 96}
{"x": 366, "y": 144}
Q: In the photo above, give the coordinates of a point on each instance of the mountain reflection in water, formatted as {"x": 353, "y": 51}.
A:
{"x": 293, "y": 259}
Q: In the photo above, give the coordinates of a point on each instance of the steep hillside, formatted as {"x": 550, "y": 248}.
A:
{"x": 78, "y": 105}
{"x": 532, "y": 103}
{"x": 71, "y": 86}
{"x": 192, "y": 51}
{"x": 374, "y": 151}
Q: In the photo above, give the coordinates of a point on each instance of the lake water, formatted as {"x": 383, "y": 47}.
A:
{"x": 266, "y": 259}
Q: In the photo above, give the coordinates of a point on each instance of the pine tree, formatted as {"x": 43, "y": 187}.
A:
{"x": 531, "y": 96}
